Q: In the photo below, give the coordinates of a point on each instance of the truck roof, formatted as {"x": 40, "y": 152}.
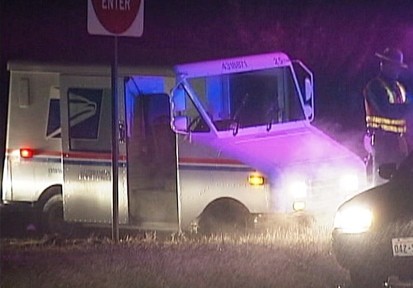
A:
{"x": 232, "y": 65}
{"x": 88, "y": 69}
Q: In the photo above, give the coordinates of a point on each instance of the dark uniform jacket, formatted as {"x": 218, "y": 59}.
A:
{"x": 387, "y": 107}
{"x": 385, "y": 103}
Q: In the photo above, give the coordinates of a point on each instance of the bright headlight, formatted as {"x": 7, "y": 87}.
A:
{"x": 353, "y": 219}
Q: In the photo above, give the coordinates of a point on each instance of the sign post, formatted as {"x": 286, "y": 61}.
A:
{"x": 115, "y": 145}
{"x": 115, "y": 18}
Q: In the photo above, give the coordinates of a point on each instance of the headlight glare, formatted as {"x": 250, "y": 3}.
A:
{"x": 298, "y": 189}
{"x": 353, "y": 219}
{"x": 349, "y": 182}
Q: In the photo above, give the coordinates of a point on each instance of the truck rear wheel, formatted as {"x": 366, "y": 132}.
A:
{"x": 52, "y": 217}
{"x": 225, "y": 216}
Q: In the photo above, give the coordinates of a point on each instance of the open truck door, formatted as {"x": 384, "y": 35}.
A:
{"x": 151, "y": 155}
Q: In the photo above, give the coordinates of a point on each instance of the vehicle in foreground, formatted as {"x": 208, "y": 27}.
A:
{"x": 373, "y": 231}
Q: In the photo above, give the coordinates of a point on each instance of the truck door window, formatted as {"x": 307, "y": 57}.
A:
{"x": 196, "y": 123}
{"x": 89, "y": 128}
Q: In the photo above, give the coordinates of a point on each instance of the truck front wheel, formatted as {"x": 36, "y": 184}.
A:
{"x": 225, "y": 216}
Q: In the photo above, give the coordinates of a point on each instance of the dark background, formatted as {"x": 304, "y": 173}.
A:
{"x": 336, "y": 39}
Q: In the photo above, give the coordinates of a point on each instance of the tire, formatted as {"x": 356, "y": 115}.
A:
{"x": 226, "y": 217}
{"x": 52, "y": 220}
{"x": 364, "y": 280}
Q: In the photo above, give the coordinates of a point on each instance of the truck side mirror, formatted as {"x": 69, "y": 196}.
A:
{"x": 178, "y": 100}
{"x": 180, "y": 124}
{"x": 308, "y": 89}
{"x": 308, "y": 105}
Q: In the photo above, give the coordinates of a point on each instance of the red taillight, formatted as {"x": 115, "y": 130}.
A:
{"x": 26, "y": 153}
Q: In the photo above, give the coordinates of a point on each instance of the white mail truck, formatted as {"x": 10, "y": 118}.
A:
{"x": 221, "y": 144}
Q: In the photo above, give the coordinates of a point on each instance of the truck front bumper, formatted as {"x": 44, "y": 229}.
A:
{"x": 267, "y": 222}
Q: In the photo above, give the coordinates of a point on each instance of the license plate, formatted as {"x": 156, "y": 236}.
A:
{"x": 402, "y": 246}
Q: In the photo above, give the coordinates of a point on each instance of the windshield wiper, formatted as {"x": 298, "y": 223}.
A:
{"x": 271, "y": 113}
{"x": 236, "y": 118}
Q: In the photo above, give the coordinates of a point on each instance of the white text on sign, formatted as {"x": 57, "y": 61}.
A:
{"x": 116, "y": 5}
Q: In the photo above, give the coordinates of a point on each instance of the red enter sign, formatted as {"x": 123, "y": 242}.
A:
{"x": 115, "y": 16}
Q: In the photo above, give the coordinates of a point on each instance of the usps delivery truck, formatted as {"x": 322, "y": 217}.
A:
{"x": 210, "y": 146}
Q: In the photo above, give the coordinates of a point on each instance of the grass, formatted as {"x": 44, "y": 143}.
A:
{"x": 283, "y": 258}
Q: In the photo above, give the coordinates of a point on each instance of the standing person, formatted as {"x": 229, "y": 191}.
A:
{"x": 387, "y": 108}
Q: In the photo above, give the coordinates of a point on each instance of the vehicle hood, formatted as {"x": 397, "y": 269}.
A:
{"x": 296, "y": 145}
{"x": 390, "y": 201}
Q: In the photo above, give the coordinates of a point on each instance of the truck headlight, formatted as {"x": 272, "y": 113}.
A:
{"x": 353, "y": 218}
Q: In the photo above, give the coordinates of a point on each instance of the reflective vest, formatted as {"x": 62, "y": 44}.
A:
{"x": 397, "y": 95}
{"x": 386, "y": 124}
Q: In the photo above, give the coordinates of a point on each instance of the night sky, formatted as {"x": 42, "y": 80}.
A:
{"x": 336, "y": 39}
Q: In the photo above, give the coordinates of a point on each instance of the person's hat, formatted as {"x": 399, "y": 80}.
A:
{"x": 394, "y": 56}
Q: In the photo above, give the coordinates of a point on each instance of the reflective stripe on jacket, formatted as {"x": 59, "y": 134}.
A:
{"x": 386, "y": 124}
{"x": 384, "y": 116}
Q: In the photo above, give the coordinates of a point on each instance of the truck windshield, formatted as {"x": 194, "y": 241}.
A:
{"x": 249, "y": 99}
